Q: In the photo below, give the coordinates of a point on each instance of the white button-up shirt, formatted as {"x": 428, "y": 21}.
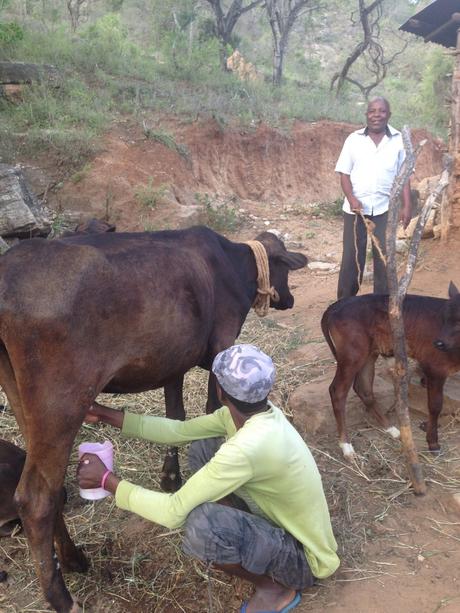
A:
{"x": 372, "y": 168}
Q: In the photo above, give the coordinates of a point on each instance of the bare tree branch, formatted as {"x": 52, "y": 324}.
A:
{"x": 369, "y": 49}
{"x": 282, "y": 15}
{"x": 225, "y": 22}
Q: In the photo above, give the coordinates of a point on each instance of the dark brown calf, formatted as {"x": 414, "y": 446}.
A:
{"x": 12, "y": 461}
{"x": 357, "y": 330}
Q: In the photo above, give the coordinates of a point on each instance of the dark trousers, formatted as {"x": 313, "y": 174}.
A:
{"x": 350, "y": 276}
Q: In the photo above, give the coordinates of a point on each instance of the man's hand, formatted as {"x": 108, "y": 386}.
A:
{"x": 405, "y": 216}
{"x": 355, "y": 204}
{"x": 92, "y": 416}
{"x": 100, "y": 413}
{"x": 90, "y": 471}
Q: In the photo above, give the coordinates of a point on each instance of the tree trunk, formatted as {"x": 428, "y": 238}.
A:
{"x": 397, "y": 293}
{"x": 278, "y": 58}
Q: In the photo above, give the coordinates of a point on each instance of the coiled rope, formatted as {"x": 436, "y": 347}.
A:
{"x": 265, "y": 292}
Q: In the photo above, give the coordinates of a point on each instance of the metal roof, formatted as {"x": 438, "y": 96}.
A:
{"x": 438, "y": 22}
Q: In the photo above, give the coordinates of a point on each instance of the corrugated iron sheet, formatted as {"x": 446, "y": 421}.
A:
{"x": 437, "y": 14}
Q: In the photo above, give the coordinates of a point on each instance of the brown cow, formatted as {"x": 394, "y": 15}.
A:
{"x": 357, "y": 330}
{"x": 112, "y": 312}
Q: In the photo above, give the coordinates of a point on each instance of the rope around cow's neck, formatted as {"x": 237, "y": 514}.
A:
{"x": 369, "y": 225}
{"x": 265, "y": 292}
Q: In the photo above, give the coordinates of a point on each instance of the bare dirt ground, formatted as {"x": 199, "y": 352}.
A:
{"x": 399, "y": 552}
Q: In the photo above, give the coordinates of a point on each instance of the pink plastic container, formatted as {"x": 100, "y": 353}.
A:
{"x": 105, "y": 452}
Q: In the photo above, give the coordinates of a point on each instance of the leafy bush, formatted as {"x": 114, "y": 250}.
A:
{"x": 219, "y": 214}
{"x": 10, "y": 34}
{"x": 105, "y": 44}
{"x": 149, "y": 195}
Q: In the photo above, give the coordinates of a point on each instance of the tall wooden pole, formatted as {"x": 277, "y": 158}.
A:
{"x": 451, "y": 198}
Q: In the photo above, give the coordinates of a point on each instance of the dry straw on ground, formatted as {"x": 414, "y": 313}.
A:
{"x": 137, "y": 566}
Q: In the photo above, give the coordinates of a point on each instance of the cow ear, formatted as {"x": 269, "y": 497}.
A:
{"x": 293, "y": 260}
{"x": 453, "y": 291}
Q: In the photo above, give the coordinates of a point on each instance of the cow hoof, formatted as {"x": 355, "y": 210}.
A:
{"x": 348, "y": 451}
{"x": 170, "y": 482}
{"x": 393, "y": 432}
{"x": 75, "y": 564}
{"x": 434, "y": 450}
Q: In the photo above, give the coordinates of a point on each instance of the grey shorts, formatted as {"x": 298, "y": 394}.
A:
{"x": 219, "y": 534}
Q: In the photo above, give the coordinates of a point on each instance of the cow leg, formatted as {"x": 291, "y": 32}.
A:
{"x": 364, "y": 388}
{"x": 9, "y": 385}
{"x": 39, "y": 495}
{"x": 338, "y": 391}
{"x": 171, "y": 479}
{"x": 71, "y": 557}
{"x": 36, "y": 498}
{"x": 212, "y": 402}
{"x": 435, "y": 386}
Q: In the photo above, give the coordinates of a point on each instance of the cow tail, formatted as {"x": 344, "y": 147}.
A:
{"x": 326, "y": 331}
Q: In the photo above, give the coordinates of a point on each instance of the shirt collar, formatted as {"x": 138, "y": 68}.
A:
{"x": 389, "y": 131}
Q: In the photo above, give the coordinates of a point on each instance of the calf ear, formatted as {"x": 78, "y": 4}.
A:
{"x": 453, "y": 291}
{"x": 294, "y": 260}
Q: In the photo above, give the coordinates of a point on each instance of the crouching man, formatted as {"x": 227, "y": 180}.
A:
{"x": 246, "y": 452}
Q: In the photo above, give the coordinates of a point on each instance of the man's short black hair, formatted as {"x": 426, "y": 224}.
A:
{"x": 245, "y": 407}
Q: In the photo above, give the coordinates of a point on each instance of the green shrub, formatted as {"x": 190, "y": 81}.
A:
{"x": 168, "y": 141}
{"x": 219, "y": 214}
{"x": 150, "y": 195}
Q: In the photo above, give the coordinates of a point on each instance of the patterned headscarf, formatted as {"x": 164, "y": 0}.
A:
{"x": 245, "y": 372}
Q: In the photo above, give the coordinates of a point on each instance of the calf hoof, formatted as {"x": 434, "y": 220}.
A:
{"x": 170, "y": 482}
{"x": 77, "y": 563}
{"x": 434, "y": 449}
{"x": 348, "y": 451}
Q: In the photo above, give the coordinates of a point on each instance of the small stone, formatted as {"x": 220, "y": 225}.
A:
{"x": 321, "y": 265}
{"x": 401, "y": 246}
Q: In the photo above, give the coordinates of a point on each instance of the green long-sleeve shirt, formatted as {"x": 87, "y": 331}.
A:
{"x": 266, "y": 460}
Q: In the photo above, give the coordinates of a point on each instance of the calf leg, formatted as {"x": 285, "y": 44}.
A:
{"x": 338, "y": 391}
{"x": 171, "y": 479}
{"x": 435, "y": 386}
{"x": 363, "y": 386}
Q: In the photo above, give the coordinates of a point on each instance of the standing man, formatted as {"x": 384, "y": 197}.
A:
{"x": 284, "y": 539}
{"x": 369, "y": 161}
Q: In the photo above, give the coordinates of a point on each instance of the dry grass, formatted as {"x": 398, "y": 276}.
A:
{"x": 137, "y": 566}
